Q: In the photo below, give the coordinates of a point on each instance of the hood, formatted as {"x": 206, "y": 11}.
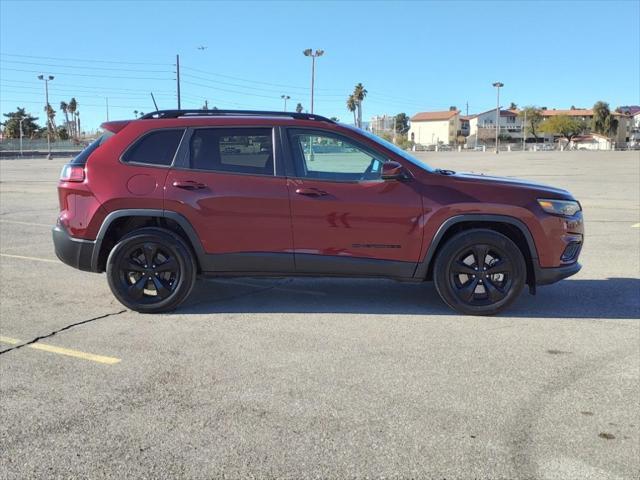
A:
{"x": 514, "y": 182}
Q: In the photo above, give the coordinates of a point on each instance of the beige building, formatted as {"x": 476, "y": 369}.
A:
{"x": 434, "y": 128}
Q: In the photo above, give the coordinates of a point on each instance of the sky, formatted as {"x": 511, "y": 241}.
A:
{"x": 411, "y": 56}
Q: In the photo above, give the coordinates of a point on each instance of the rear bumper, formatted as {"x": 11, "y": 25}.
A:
{"x": 75, "y": 252}
{"x": 546, "y": 276}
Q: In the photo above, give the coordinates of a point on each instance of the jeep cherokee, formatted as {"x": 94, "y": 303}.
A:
{"x": 157, "y": 201}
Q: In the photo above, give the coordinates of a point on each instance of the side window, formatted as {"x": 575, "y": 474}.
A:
{"x": 155, "y": 148}
{"x": 234, "y": 150}
{"x": 333, "y": 157}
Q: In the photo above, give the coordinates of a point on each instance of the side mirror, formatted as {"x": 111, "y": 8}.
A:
{"x": 392, "y": 171}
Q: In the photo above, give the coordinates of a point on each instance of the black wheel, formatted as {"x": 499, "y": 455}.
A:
{"x": 479, "y": 272}
{"x": 151, "y": 270}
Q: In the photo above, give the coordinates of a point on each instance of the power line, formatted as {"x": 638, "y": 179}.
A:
{"x": 84, "y": 67}
{"x": 93, "y": 60}
{"x": 92, "y": 87}
{"x": 87, "y": 75}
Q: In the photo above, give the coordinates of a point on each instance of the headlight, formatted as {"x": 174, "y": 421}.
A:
{"x": 566, "y": 208}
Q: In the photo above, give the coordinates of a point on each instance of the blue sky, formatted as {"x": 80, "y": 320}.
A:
{"x": 411, "y": 56}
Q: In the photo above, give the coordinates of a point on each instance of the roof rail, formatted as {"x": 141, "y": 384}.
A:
{"x": 240, "y": 113}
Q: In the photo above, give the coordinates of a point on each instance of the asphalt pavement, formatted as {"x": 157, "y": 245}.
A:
{"x": 325, "y": 378}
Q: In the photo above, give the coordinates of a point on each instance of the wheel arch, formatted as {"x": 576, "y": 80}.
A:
{"x": 513, "y": 228}
{"x": 119, "y": 222}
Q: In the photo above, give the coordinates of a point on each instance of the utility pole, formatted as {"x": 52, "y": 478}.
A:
{"x": 467, "y": 114}
{"x": 524, "y": 132}
{"x": 106, "y": 99}
{"x": 394, "y": 129}
{"x": 178, "y": 78}
{"x": 285, "y": 98}
{"x": 47, "y": 79}
{"x": 21, "y": 134}
{"x": 310, "y": 53}
{"x": 498, "y": 85}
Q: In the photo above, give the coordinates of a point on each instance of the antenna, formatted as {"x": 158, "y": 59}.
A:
{"x": 154, "y": 101}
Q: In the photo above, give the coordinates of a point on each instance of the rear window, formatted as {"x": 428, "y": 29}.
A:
{"x": 155, "y": 148}
{"x": 83, "y": 156}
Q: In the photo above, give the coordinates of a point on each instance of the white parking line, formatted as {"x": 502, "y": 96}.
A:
{"x": 22, "y": 257}
{"x": 27, "y": 223}
{"x": 637, "y": 225}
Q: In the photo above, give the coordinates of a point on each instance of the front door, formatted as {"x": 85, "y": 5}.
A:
{"x": 226, "y": 186}
{"x": 346, "y": 219}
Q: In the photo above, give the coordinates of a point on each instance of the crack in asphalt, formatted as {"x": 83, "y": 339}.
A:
{"x": 42, "y": 337}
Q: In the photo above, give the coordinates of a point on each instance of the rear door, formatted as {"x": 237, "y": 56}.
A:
{"x": 346, "y": 219}
{"x": 225, "y": 184}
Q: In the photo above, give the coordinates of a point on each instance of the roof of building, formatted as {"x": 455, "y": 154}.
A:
{"x": 503, "y": 113}
{"x": 589, "y": 137}
{"x": 433, "y": 116}
{"x": 576, "y": 112}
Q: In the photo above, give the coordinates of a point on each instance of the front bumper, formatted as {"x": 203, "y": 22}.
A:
{"x": 546, "y": 276}
{"x": 75, "y": 252}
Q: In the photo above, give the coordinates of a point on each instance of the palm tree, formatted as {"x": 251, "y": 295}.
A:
{"x": 351, "y": 106}
{"x": 78, "y": 123}
{"x": 299, "y": 108}
{"x": 135, "y": 113}
{"x": 51, "y": 123}
{"x": 71, "y": 108}
{"x": 63, "y": 107}
{"x": 359, "y": 92}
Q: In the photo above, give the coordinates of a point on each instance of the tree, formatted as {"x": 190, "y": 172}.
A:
{"x": 299, "y": 108}
{"x": 62, "y": 133}
{"x": 513, "y": 106}
{"x": 71, "y": 108}
{"x": 12, "y": 125}
{"x": 64, "y": 106}
{"x": 453, "y": 108}
{"x": 334, "y": 119}
{"x": 359, "y": 93}
{"x": 51, "y": 123}
{"x": 603, "y": 121}
{"x": 402, "y": 123}
{"x": 352, "y": 107}
{"x": 534, "y": 118}
{"x": 564, "y": 125}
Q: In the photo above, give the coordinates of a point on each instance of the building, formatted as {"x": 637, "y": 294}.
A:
{"x": 593, "y": 141}
{"x": 382, "y": 123}
{"x": 482, "y": 127}
{"x": 435, "y": 128}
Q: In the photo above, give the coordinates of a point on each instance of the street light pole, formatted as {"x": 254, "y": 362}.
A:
{"x": 21, "y": 134}
{"x": 498, "y": 85}
{"x": 524, "y": 132}
{"x": 310, "y": 53}
{"x": 285, "y": 98}
{"x": 47, "y": 79}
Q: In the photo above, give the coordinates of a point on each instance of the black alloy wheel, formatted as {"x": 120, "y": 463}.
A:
{"x": 151, "y": 270}
{"x": 479, "y": 272}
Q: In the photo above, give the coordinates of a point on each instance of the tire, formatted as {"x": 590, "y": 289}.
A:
{"x": 461, "y": 281}
{"x": 169, "y": 279}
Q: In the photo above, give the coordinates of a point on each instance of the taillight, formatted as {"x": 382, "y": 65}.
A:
{"x": 72, "y": 173}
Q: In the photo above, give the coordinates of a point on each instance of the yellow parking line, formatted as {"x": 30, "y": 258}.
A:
{"x": 27, "y": 223}
{"x": 637, "y": 225}
{"x": 63, "y": 351}
{"x": 38, "y": 259}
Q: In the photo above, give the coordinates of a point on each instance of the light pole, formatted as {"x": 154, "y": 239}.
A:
{"x": 21, "y": 134}
{"x": 47, "y": 79}
{"x": 498, "y": 85}
{"x": 285, "y": 98}
{"x": 310, "y": 53}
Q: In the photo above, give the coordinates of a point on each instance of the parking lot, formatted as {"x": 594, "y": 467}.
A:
{"x": 325, "y": 378}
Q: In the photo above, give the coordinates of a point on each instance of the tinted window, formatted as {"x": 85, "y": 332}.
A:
{"x": 333, "y": 157}
{"x": 155, "y": 148}
{"x": 236, "y": 150}
{"x": 83, "y": 156}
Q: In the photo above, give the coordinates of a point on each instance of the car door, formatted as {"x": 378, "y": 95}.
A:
{"x": 225, "y": 185}
{"x": 346, "y": 219}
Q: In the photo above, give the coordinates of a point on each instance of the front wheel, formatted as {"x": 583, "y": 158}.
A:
{"x": 479, "y": 272}
{"x": 151, "y": 270}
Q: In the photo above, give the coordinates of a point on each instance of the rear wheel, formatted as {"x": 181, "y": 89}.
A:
{"x": 479, "y": 272}
{"x": 151, "y": 270}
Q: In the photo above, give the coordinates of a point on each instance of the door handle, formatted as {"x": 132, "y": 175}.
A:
{"x": 311, "y": 192}
{"x": 189, "y": 185}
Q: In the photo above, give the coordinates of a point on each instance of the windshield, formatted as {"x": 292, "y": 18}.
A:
{"x": 390, "y": 146}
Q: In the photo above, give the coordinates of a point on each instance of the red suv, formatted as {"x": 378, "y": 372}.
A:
{"x": 156, "y": 201}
